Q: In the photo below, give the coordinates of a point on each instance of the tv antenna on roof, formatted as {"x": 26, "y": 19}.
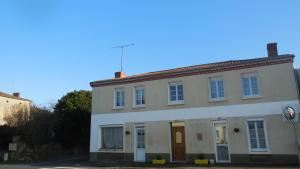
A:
{"x": 122, "y": 52}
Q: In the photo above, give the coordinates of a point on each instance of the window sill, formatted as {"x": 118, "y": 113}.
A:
{"x": 176, "y": 103}
{"x": 139, "y": 106}
{"x": 251, "y": 97}
{"x": 260, "y": 152}
{"x": 217, "y": 100}
{"x": 111, "y": 150}
{"x": 118, "y": 108}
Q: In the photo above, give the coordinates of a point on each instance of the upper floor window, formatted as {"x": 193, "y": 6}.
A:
{"x": 139, "y": 96}
{"x": 216, "y": 88}
{"x": 176, "y": 93}
{"x": 256, "y": 135}
{"x": 119, "y": 98}
{"x": 250, "y": 85}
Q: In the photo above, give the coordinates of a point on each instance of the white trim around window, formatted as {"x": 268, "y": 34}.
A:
{"x": 121, "y": 102}
{"x": 219, "y": 88}
{"x": 141, "y": 102}
{"x": 250, "y": 85}
{"x": 258, "y": 149}
{"x": 178, "y": 93}
{"x": 100, "y": 148}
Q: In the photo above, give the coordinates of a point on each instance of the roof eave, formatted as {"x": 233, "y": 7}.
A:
{"x": 235, "y": 66}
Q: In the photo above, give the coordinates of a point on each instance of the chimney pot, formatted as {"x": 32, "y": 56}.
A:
{"x": 120, "y": 74}
{"x": 272, "y": 50}
{"x": 16, "y": 94}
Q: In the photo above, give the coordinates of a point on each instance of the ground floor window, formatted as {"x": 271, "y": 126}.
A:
{"x": 257, "y": 135}
{"x": 112, "y": 137}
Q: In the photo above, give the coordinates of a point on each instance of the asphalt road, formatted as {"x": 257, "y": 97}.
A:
{"x": 21, "y": 166}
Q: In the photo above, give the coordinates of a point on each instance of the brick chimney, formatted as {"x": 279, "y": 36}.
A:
{"x": 16, "y": 94}
{"x": 120, "y": 74}
{"x": 272, "y": 50}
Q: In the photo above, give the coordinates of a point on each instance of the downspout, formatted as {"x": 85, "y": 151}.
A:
{"x": 297, "y": 80}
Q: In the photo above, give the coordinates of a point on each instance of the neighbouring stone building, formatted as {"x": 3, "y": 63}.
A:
{"x": 12, "y": 103}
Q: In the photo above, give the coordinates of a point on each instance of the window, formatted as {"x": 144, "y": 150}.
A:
{"x": 178, "y": 137}
{"x": 256, "y": 136}
{"x": 112, "y": 137}
{"x": 119, "y": 98}
{"x": 139, "y": 96}
{"x": 176, "y": 93}
{"x": 250, "y": 85}
{"x": 216, "y": 88}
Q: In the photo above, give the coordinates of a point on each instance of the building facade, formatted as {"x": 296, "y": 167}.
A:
{"x": 228, "y": 111}
{"x": 12, "y": 103}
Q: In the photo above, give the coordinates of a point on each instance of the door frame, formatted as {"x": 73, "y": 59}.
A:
{"x": 134, "y": 141}
{"x": 171, "y": 143}
{"x": 215, "y": 144}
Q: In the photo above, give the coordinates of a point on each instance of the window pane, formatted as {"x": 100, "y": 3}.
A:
{"x": 257, "y": 135}
{"x": 122, "y": 98}
{"x": 137, "y": 101}
{"x": 143, "y": 96}
{"x": 138, "y": 97}
{"x": 213, "y": 89}
{"x": 221, "y": 89}
{"x": 180, "y": 92}
{"x": 178, "y": 136}
{"x": 173, "y": 98}
{"x": 118, "y": 98}
{"x": 253, "y": 143}
{"x": 173, "y": 94}
{"x": 246, "y": 86}
{"x": 261, "y": 134}
{"x": 141, "y": 138}
{"x": 254, "y": 85}
{"x": 173, "y": 88}
{"x": 220, "y": 134}
{"x": 112, "y": 137}
{"x": 252, "y": 134}
{"x": 262, "y": 143}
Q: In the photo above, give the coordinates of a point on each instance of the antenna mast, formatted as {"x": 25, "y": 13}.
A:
{"x": 122, "y": 52}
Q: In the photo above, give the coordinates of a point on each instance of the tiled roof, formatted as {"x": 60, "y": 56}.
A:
{"x": 197, "y": 69}
{"x": 2, "y": 94}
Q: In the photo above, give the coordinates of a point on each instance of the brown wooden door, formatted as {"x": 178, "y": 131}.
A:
{"x": 178, "y": 143}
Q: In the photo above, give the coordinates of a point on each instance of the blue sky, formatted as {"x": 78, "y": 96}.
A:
{"x": 51, "y": 47}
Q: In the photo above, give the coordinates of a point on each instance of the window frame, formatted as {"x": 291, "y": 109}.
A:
{"x": 99, "y": 141}
{"x": 216, "y": 79}
{"x": 257, "y": 150}
{"x": 175, "y": 102}
{"x": 115, "y": 98}
{"x": 134, "y": 96}
{"x": 248, "y": 75}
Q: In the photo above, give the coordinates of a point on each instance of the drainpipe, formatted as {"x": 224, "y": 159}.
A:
{"x": 297, "y": 80}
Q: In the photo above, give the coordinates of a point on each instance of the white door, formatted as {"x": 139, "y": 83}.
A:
{"x": 140, "y": 144}
{"x": 221, "y": 142}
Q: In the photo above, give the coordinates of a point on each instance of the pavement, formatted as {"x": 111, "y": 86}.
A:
{"x": 82, "y": 162}
{"x": 31, "y": 166}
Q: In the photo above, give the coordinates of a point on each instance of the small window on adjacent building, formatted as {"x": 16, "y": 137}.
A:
{"x": 112, "y": 137}
{"x": 176, "y": 93}
{"x": 216, "y": 88}
{"x": 139, "y": 96}
{"x": 250, "y": 85}
{"x": 119, "y": 98}
{"x": 257, "y": 136}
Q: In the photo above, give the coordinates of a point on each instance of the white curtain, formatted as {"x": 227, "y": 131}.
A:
{"x": 112, "y": 137}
